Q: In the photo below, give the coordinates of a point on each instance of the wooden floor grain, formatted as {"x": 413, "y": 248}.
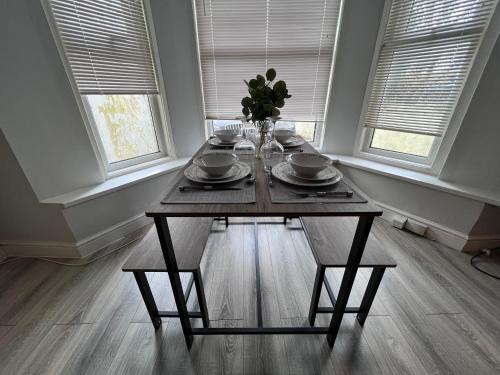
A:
{"x": 433, "y": 314}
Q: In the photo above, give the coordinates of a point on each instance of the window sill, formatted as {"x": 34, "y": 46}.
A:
{"x": 417, "y": 178}
{"x": 116, "y": 183}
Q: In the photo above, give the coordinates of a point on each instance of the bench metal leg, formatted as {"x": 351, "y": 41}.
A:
{"x": 200, "y": 292}
{"x": 318, "y": 283}
{"x": 369, "y": 296}
{"x": 148, "y": 298}
{"x": 175, "y": 279}
{"x": 357, "y": 248}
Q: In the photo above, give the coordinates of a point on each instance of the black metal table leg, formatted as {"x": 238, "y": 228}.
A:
{"x": 357, "y": 248}
{"x": 200, "y": 293}
{"x": 148, "y": 298}
{"x": 318, "y": 283}
{"x": 175, "y": 279}
{"x": 369, "y": 296}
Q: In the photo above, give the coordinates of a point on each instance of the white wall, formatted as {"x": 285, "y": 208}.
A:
{"x": 22, "y": 217}
{"x": 38, "y": 111}
{"x": 357, "y": 37}
{"x": 42, "y": 123}
{"x": 474, "y": 159}
{"x": 176, "y": 39}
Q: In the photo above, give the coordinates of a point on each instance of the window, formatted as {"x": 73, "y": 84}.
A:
{"x": 107, "y": 48}
{"x": 238, "y": 40}
{"x": 423, "y": 63}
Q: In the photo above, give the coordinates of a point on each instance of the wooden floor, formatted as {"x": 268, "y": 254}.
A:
{"x": 433, "y": 314}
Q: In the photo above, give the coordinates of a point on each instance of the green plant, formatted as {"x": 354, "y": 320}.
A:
{"x": 264, "y": 100}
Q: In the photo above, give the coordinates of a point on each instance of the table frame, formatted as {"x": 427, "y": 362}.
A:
{"x": 263, "y": 207}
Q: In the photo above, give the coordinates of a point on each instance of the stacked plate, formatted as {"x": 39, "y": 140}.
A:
{"x": 308, "y": 169}
{"x": 293, "y": 141}
{"x": 220, "y": 143}
{"x": 237, "y": 172}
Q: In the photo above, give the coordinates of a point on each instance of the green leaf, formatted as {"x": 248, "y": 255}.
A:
{"x": 275, "y": 112}
{"x": 261, "y": 80}
{"x": 245, "y": 111}
{"x": 279, "y": 86}
{"x": 246, "y": 83}
{"x": 288, "y": 96}
{"x": 253, "y": 83}
{"x": 246, "y": 101}
{"x": 271, "y": 74}
{"x": 280, "y": 103}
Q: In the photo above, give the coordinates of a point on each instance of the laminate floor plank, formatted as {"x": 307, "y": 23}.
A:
{"x": 138, "y": 351}
{"x": 393, "y": 354}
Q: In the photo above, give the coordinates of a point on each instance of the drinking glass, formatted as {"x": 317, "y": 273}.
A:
{"x": 272, "y": 153}
{"x": 245, "y": 147}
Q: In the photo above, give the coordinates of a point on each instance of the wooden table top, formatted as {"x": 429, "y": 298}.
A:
{"x": 263, "y": 205}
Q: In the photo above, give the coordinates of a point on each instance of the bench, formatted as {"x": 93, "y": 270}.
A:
{"x": 189, "y": 237}
{"x": 330, "y": 240}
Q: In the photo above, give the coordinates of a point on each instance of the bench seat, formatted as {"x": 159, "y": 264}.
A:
{"x": 330, "y": 240}
{"x": 189, "y": 237}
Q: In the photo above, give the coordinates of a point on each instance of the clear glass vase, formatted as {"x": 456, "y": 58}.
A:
{"x": 263, "y": 135}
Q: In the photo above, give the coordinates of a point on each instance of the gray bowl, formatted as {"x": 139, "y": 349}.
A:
{"x": 216, "y": 164}
{"x": 308, "y": 164}
{"x": 226, "y": 135}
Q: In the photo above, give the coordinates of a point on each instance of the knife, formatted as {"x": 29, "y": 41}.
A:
{"x": 346, "y": 194}
{"x": 207, "y": 188}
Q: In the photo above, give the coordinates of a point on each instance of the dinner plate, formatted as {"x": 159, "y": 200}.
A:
{"x": 293, "y": 142}
{"x": 238, "y": 171}
{"x": 326, "y": 174}
{"x": 218, "y": 143}
{"x": 284, "y": 172}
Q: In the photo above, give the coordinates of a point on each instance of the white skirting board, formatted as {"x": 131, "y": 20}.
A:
{"x": 446, "y": 236}
{"x": 74, "y": 250}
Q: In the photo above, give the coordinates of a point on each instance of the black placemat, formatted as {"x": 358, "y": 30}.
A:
{"x": 245, "y": 195}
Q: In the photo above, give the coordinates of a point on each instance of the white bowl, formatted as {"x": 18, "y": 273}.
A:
{"x": 308, "y": 164}
{"x": 226, "y": 135}
{"x": 283, "y": 135}
{"x": 216, "y": 163}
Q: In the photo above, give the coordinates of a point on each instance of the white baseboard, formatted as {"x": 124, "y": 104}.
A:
{"x": 444, "y": 235}
{"x": 98, "y": 241}
{"x": 45, "y": 249}
{"x": 79, "y": 250}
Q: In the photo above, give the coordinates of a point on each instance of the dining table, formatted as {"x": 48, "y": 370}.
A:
{"x": 262, "y": 206}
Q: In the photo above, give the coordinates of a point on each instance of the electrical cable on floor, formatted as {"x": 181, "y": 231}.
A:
{"x": 13, "y": 259}
{"x": 484, "y": 252}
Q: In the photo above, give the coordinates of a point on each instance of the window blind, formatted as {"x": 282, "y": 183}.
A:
{"x": 428, "y": 48}
{"x": 107, "y": 45}
{"x": 239, "y": 39}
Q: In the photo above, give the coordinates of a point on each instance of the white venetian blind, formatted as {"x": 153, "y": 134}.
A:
{"x": 107, "y": 45}
{"x": 239, "y": 39}
{"x": 425, "y": 58}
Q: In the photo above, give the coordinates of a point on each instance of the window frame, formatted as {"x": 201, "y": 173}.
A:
{"x": 442, "y": 145}
{"x": 158, "y": 105}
